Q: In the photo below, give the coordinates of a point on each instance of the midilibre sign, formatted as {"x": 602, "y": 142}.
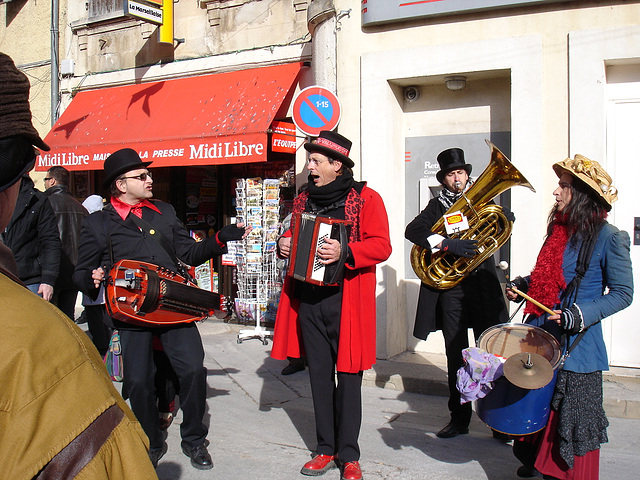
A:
{"x": 162, "y": 154}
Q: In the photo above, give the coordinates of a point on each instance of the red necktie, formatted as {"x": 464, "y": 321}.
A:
{"x": 137, "y": 211}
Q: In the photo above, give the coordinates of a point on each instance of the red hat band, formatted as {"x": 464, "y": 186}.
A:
{"x": 334, "y": 146}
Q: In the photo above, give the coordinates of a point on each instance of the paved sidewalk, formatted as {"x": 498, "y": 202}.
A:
{"x": 261, "y": 423}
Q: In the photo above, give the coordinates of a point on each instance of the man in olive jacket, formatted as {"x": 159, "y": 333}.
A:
{"x": 60, "y": 416}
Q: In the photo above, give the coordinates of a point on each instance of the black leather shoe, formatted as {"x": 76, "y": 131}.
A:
{"x": 526, "y": 472}
{"x": 452, "y": 430}
{"x": 295, "y": 365}
{"x": 155, "y": 454}
{"x": 502, "y": 437}
{"x": 199, "y": 456}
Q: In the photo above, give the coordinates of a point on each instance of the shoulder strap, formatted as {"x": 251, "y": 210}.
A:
{"x": 582, "y": 265}
{"x": 155, "y": 234}
{"x": 571, "y": 292}
{"x": 164, "y": 243}
{"x": 105, "y": 221}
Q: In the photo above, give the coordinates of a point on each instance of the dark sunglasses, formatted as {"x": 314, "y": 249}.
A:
{"x": 142, "y": 177}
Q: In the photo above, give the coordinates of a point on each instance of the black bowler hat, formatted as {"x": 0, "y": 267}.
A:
{"x": 451, "y": 159}
{"x": 121, "y": 161}
{"x": 333, "y": 145}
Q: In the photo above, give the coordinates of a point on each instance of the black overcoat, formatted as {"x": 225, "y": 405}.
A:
{"x": 486, "y": 305}
{"x": 129, "y": 242}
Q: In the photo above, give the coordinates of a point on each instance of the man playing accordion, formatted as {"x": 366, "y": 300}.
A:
{"x": 335, "y": 323}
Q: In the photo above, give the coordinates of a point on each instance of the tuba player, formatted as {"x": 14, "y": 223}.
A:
{"x": 477, "y": 302}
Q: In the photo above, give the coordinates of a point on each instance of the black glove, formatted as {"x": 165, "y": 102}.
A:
{"x": 229, "y": 233}
{"x": 519, "y": 283}
{"x": 462, "y": 248}
{"x": 571, "y": 320}
{"x": 509, "y": 215}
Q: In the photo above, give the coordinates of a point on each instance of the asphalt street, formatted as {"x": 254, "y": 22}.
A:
{"x": 261, "y": 424}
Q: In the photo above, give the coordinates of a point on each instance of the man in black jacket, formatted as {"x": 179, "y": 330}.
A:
{"x": 477, "y": 302}
{"x": 113, "y": 234}
{"x": 32, "y": 235}
{"x": 69, "y": 214}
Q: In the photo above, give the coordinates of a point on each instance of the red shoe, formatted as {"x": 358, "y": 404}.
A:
{"x": 351, "y": 471}
{"x": 318, "y": 465}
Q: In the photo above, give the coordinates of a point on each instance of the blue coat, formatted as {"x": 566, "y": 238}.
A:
{"x": 609, "y": 268}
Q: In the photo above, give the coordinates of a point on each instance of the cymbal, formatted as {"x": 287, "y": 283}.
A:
{"x": 528, "y": 370}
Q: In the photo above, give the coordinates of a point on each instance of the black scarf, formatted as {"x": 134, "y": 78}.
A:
{"x": 331, "y": 193}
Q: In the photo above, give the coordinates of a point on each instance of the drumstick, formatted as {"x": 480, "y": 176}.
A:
{"x": 503, "y": 266}
{"x": 535, "y": 302}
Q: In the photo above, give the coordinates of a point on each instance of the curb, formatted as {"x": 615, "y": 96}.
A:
{"x": 427, "y": 375}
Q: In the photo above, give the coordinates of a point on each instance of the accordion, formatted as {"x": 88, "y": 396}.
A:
{"x": 145, "y": 294}
{"x": 309, "y": 234}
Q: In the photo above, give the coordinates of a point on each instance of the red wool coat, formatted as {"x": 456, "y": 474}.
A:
{"x": 357, "y": 344}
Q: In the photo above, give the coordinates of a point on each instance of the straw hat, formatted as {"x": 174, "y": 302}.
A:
{"x": 591, "y": 173}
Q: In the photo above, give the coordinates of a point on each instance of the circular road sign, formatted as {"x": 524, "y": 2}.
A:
{"x": 316, "y": 109}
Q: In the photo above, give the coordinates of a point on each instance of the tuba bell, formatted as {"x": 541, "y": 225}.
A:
{"x": 487, "y": 224}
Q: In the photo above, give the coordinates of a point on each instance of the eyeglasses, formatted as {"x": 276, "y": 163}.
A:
{"x": 142, "y": 177}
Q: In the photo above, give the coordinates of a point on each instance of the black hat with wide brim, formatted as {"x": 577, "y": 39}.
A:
{"x": 452, "y": 159}
{"x": 333, "y": 145}
{"x": 120, "y": 162}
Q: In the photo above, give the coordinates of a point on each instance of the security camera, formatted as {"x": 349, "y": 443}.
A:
{"x": 411, "y": 94}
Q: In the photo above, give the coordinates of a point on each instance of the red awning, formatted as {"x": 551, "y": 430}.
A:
{"x": 205, "y": 120}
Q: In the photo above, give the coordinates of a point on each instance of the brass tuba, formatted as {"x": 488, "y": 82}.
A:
{"x": 487, "y": 225}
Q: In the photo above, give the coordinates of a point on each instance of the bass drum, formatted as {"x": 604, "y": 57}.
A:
{"x": 508, "y": 408}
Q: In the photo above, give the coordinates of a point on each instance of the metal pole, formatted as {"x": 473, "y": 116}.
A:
{"x": 55, "y": 64}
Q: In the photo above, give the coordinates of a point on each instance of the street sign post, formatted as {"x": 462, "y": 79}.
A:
{"x": 316, "y": 109}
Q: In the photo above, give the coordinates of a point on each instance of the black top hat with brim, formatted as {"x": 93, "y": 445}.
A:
{"x": 333, "y": 145}
{"x": 452, "y": 159}
{"x": 120, "y": 162}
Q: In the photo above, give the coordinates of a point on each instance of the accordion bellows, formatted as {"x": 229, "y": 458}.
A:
{"x": 309, "y": 234}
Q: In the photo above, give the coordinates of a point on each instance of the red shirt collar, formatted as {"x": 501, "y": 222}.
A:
{"x": 123, "y": 209}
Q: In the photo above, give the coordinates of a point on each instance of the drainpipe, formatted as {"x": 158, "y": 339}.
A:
{"x": 321, "y": 22}
{"x": 55, "y": 87}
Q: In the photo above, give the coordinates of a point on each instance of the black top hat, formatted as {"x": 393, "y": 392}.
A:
{"x": 451, "y": 159}
{"x": 333, "y": 145}
{"x": 122, "y": 161}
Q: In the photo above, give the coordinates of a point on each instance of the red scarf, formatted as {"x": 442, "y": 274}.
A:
{"x": 547, "y": 279}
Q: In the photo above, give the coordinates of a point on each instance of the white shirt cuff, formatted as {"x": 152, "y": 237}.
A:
{"x": 434, "y": 240}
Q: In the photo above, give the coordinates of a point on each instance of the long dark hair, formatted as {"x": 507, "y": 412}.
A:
{"x": 583, "y": 214}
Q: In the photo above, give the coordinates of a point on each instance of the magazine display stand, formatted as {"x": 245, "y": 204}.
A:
{"x": 258, "y": 279}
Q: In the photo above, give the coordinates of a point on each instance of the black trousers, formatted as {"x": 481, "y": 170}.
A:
{"x": 65, "y": 300}
{"x": 100, "y": 332}
{"x": 183, "y": 347}
{"x": 337, "y": 399}
{"x": 456, "y": 306}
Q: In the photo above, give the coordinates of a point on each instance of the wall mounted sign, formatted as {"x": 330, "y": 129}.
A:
{"x": 143, "y": 11}
{"x": 375, "y": 12}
